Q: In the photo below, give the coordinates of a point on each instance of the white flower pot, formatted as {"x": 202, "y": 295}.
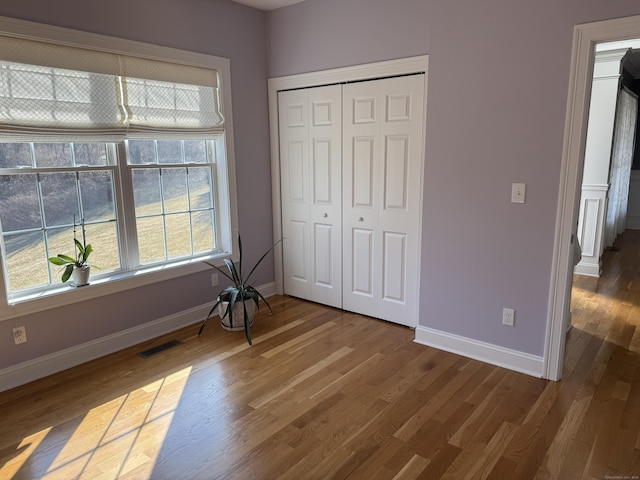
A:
{"x": 238, "y": 315}
{"x": 80, "y": 275}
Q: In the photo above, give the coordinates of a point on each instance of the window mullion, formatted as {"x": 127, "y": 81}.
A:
{"x": 80, "y": 204}
{"x": 43, "y": 220}
{"x": 163, "y": 215}
{"x": 189, "y": 207}
{"x": 217, "y": 194}
{"x": 189, "y": 210}
{"x": 126, "y": 210}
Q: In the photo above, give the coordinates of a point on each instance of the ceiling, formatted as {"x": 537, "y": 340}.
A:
{"x": 268, "y": 4}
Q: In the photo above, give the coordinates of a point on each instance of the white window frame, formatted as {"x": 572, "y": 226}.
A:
{"x": 58, "y": 296}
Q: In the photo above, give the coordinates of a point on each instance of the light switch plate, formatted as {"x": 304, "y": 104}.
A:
{"x": 518, "y": 192}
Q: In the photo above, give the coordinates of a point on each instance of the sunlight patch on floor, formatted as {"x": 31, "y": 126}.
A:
{"x": 26, "y": 449}
{"x": 121, "y": 437}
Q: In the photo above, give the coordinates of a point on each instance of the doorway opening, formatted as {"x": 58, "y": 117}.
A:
{"x": 586, "y": 37}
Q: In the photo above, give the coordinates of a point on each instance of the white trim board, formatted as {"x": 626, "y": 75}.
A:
{"x": 588, "y": 270}
{"x": 485, "y": 352}
{"x": 633, "y": 222}
{"x": 41, "y": 367}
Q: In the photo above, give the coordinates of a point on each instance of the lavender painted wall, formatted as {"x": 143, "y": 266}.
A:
{"x": 323, "y": 34}
{"x": 216, "y": 27}
{"x": 497, "y": 96}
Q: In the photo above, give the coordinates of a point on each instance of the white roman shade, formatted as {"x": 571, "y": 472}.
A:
{"x": 55, "y": 89}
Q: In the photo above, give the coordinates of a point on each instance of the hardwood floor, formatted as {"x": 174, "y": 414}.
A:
{"x": 324, "y": 394}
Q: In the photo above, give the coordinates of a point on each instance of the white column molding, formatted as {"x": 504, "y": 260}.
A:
{"x": 602, "y": 109}
{"x": 591, "y": 220}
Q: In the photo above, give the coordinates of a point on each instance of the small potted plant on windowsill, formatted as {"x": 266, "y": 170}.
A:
{"x": 78, "y": 268}
{"x": 239, "y": 299}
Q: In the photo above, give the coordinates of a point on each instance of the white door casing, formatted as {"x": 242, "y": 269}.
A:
{"x": 310, "y": 135}
{"x": 382, "y": 166}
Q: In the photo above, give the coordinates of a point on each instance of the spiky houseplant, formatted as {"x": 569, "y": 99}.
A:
{"x": 239, "y": 291}
{"x": 83, "y": 250}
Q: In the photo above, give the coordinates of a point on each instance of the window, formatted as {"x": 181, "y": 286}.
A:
{"x": 134, "y": 149}
{"x": 173, "y": 196}
{"x": 45, "y": 190}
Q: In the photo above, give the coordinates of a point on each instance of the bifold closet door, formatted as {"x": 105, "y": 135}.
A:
{"x": 310, "y": 162}
{"x": 382, "y": 166}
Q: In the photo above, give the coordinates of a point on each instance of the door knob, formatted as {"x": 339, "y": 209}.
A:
{"x": 361, "y": 219}
{"x": 325, "y": 215}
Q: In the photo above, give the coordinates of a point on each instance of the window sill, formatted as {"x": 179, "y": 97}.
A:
{"x": 62, "y": 295}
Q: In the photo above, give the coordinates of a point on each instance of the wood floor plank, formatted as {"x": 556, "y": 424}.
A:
{"x": 412, "y": 468}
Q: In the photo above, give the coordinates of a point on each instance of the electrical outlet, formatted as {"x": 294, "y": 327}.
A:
{"x": 214, "y": 279}
{"x": 508, "y": 316}
{"x": 19, "y": 335}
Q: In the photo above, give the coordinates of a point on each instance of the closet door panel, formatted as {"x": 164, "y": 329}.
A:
{"x": 363, "y": 268}
{"x": 394, "y": 263}
{"x": 322, "y": 191}
{"x": 294, "y": 152}
{"x": 325, "y": 210}
{"x": 400, "y": 212}
{"x": 310, "y": 157}
{"x": 323, "y": 252}
{"x": 298, "y": 265}
{"x": 362, "y": 178}
{"x": 388, "y": 113}
{"x": 396, "y": 173}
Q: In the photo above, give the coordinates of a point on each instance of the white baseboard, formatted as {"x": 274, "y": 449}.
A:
{"x": 31, "y": 370}
{"x": 41, "y": 367}
{"x": 633, "y": 222}
{"x": 268, "y": 289}
{"x": 485, "y": 352}
{"x": 590, "y": 270}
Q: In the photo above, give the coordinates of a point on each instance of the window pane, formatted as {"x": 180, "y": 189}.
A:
{"x": 151, "y": 240}
{"x": 14, "y": 155}
{"x": 103, "y": 237}
{"x": 174, "y": 189}
{"x": 97, "y": 195}
{"x": 91, "y": 154}
{"x": 52, "y": 155}
{"x": 19, "y": 204}
{"x": 141, "y": 152}
{"x": 170, "y": 151}
{"x": 200, "y": 188}
{"x": 202, "y": 231}
{"x": 60, "y": 241}
{"x": 181, "y": 191}
{"x": 26, "y": 261}
{"x": 146, "y": 191}
{"x": 178, "y": 235}
{"x": 59, "y": 198}
{"x": 195, "y": 151}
